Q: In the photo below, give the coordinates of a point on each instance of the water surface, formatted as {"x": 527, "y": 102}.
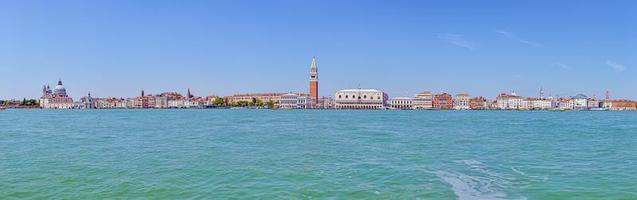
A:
{"x": 312, "y": 154}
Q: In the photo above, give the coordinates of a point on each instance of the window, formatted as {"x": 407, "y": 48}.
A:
{"x": 365, "y": 97}
{"x": 339, "y": 96}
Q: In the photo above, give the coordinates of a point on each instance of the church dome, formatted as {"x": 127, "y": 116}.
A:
{"x": 60, "y": 90}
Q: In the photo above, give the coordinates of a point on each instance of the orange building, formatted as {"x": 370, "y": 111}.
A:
{"x": 620, "y": 105}
{"x": 478, "y": 103}
{"x": 443, "y": 101}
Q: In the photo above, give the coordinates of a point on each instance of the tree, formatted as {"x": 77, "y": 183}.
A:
{"x": 270, "y": 104}
{"x": 219, "y": 102}
{"x": 242, "y": 103}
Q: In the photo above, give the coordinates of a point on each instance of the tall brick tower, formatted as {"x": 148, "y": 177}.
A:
{"x": 314, "y": 83}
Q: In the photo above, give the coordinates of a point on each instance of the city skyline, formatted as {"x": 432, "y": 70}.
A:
{"x": 223, "y": 48}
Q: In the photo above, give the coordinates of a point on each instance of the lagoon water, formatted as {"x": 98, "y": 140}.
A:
{"x": 313, "y": 154}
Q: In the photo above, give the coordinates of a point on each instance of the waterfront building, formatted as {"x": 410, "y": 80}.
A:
{"x": 540, "y": 104}
{"x": 478, "y": 103}
{"x": 176, "y": 103}
{"x": 110, "y": 103}
{"x": 160, "y": 101}
{"x": 326, "y": 103}
{"x": 401, "y": 103}
{"x": 360, "y": 99}
{"x": 525, "y": 104}
{"x": 511, "y": 101}
{"x": 593, "y": 104}
{"x": 620, "y": 105}
{"x": 56, "y": 99}
{"x": 461, "y": 102}
{"x": 423, "y": 101}
{"x": 580, "y": 102}
{"x": 314, "y": 95}
{"x": 443, "y": 101}
{"x": 87, "y": 102}
{"x": 294, "y": 101}
{"x": 263, "y": 97}
{"x": 565, "y": 104}
{"x": 194, "y": 103}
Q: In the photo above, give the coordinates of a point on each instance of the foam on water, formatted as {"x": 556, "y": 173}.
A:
{"x": 477, "y": 182}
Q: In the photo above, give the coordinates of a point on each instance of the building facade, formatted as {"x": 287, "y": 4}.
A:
{"x": 478, "y": 103}
{"x": 360, "y": 99}
{"x": 263, "y": 97}
{"x": 423, "y": 101}
{"x": 443, "y": 101}
{"x": 541, "y": 104}
{"x": 401, "y": 103}
{"x": 56, "y": 99}
{"x": 511, "y": 101}
{"x": 620, "y": 105}
{"x": 293, "y": 101}
{"x": 462, "y": 102}
{"x": 580, "y": 102}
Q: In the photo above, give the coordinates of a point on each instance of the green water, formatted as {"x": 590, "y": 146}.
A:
{"x": 265, "y": 154}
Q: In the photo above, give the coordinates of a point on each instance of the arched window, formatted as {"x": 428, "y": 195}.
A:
{"x": 339, "y": 96}
{"x": 365, "y": 97}
{"x": 346, "y": 96}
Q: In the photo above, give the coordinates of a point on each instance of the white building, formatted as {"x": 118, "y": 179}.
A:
{"x": 56, "y": 99}
{"x": 176, "y": 103}
{"x": 360, "y": 99}
{"x": 325, "y": 103}
{"x": 401, "y": 103}
{"x": 511, "y": 101}
{"x": 566, "y": 104}
{"x": 193, "y": 104}
{"x": 293, "y": 101}
{"x": 580, "y": 102}
{"x": 423, "y": 101}
{"x": 594, "y": 104}
{"x": 541, "y": 104}
{"x": 461, "y": 102}
{"x": 87, "y": 102}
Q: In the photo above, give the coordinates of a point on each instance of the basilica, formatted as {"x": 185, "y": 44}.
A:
{"x": 56, "y": 99}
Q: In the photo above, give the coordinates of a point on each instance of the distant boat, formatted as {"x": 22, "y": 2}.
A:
{"x": 2, "y": 108}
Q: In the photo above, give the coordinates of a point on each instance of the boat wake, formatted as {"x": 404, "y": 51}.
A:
{"x": 477, "y": 182}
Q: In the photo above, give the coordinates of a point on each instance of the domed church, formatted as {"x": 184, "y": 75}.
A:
{"x": 56, "y": 99}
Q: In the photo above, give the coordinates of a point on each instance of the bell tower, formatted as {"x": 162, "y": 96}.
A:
{"x": 314, "y": 83}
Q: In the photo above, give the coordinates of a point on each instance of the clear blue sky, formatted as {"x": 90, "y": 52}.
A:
{"x": 116, "y": 48}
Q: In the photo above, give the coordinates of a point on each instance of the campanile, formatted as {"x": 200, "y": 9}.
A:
{"x": 314, "y": 98}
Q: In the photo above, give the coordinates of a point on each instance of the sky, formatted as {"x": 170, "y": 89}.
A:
{"x": 117, "y": 48}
